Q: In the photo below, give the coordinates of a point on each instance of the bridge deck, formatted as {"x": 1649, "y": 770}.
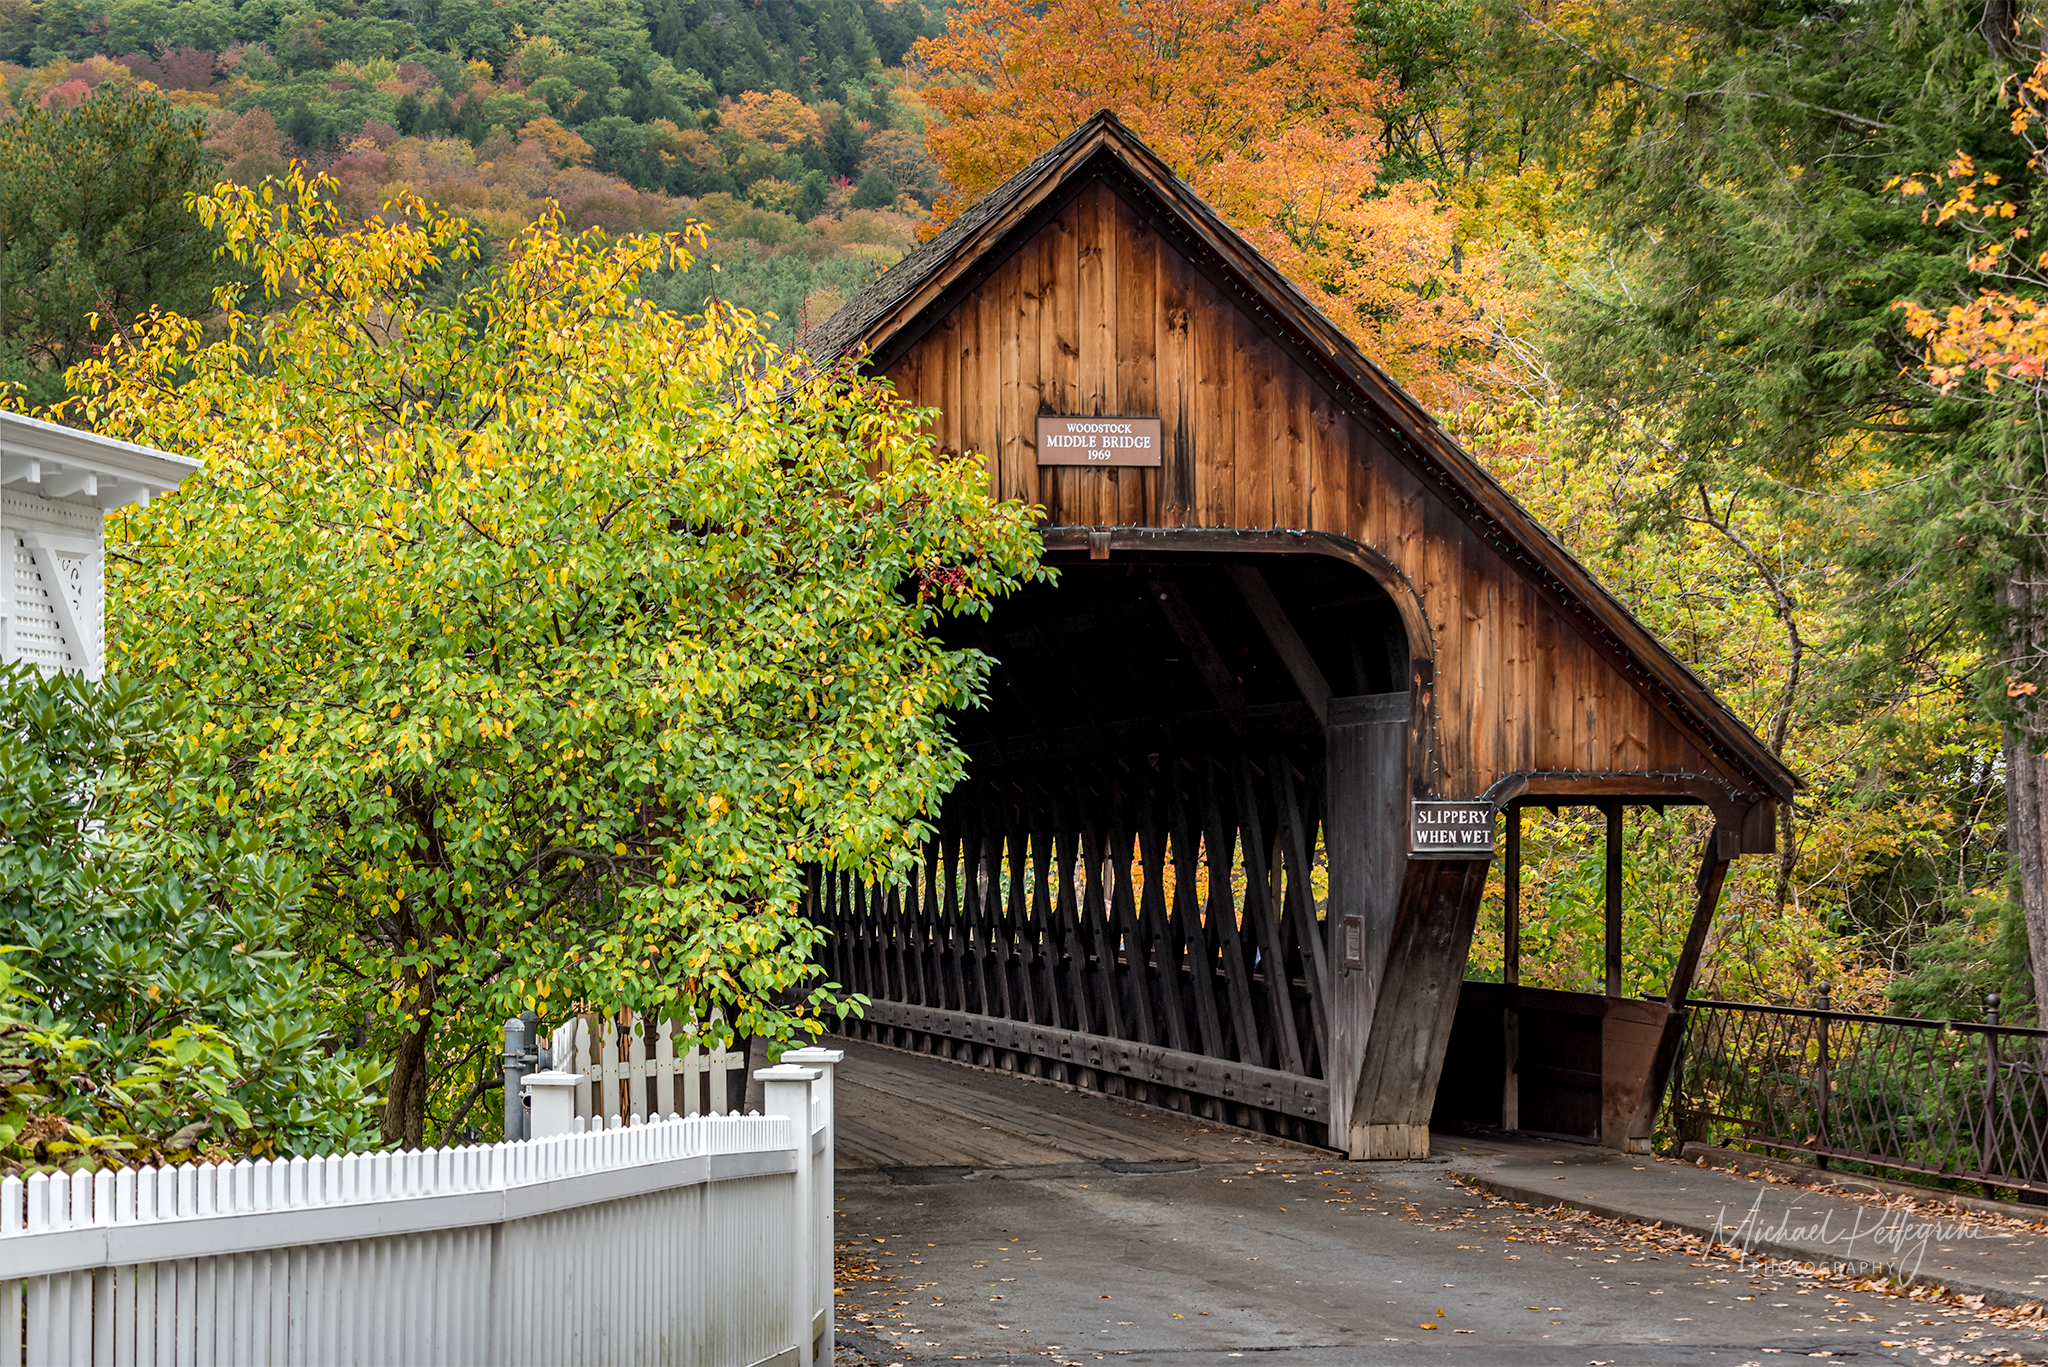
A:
{"x": 897, "y": 1109}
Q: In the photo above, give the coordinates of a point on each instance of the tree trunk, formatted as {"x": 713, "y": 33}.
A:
{"x": 405, "y": 1109}
{"x": 2026, "y": 770}
{"x": 2026, "y": 788}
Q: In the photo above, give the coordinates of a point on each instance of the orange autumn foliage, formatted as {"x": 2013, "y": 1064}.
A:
{"x": 560, "y": 145}
{"x": 1264, "y": 107}
{"x": 2002, "y": 335}
{"x": 775, "y": 117}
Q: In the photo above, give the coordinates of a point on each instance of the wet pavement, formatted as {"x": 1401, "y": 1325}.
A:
{"x": 989, "y": 1218}
{"x": 1328, "y": 1263}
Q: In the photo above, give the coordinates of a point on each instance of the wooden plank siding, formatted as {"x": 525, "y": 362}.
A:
{"x": 1140, "y": 730}
{"x": 1098, "y": 313}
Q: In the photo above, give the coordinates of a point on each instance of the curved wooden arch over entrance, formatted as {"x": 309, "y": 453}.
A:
{"x": 1188, "y": 856}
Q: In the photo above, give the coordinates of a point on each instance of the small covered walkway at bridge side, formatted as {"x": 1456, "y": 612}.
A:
{"x": 1245, "y": 768}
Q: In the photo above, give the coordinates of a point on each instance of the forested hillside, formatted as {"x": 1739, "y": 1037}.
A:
{"x": 1739, "y": 298}
{"x": 788, "y": 128}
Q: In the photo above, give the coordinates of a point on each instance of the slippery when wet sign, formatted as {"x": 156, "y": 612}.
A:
{"x": 1463, "y": 829}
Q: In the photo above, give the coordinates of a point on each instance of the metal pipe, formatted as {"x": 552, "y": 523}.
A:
{"x": 1820, "y": 1082}
{"x": 515, "y": 1069}
{"x": 1988, "y": 1155}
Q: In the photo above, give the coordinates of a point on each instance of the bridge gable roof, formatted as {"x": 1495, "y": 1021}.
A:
{"x": 892, "y": 325}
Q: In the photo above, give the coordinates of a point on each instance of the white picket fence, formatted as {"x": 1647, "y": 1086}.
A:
{"x": 619, "y": 1069}
{"x": 693, "y": 1241}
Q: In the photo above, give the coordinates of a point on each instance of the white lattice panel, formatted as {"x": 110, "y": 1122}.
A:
{"x": 52, "y": 593}
{"x": 35, "y": 632}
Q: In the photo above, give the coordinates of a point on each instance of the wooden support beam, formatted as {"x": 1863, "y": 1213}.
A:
{"x": 1614, "y": 978}
{"x": 940, "y": 905}
{"x": 1017, "y": 912}
{"x": 1511, "y": 898}
{"x": 958, "y": 935}
{"x": 1220, "y": 845}
{"x": 1365, "y": 830}
{"x": 1262, "y": 916}
{"x": 1094, "y": 921}
{"x": 898, "y": 961}
{"x": 1073, "y": 946}
{"x": 1247, "y": 1084}
{"x": 1285, "y": 640}
{"x": 973, "y": 872}
{"x": 1418, "y": 1000}
{"x": 1126, "y": 942}
{"x": 1299, "y": 902}
{"x": 1511, "y": 973}
{"x": 1194, "y": 938}
{"x": 1202, "y": 652}
{"x": 1721, "y": 846}
{"x": 1161, "y": 946}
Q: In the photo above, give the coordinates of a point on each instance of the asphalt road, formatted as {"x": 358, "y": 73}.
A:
{"x": 1321, "y": 1262}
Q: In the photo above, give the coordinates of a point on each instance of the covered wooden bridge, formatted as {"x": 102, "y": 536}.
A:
{"x": 1234, "y": 800}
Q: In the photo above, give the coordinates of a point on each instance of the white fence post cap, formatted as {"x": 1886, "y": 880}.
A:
{"x": 813, "y": 1055}
{"x": 787, "y": 1072}
{"x": 551, "y": 1078}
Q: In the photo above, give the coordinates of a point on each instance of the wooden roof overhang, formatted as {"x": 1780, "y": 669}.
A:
{"x": 1741, "y": 779}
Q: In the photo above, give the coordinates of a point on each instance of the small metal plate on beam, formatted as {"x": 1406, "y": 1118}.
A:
{"x": 1451, "y": 830}
{"x": 1354, "y": 942}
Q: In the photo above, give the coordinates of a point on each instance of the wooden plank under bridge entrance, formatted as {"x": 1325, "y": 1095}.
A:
{"x": 1233, "y": 800}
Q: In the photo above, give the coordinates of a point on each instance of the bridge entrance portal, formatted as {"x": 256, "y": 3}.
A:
{"x": 1246, "y": 766}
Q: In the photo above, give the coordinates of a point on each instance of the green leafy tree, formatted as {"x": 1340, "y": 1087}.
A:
{"x": 1436, "y": 127}
{"x": 1745, "y": 163}
{"x": 560, "y": 635}
{"x": 843, "y": 145}
{"x": 790, "y": 291}
{"x": 151, "y": 999}
{"x": 94, "y": 228}
{"x": 875, "y": 191}
{"x": 812, "y": 193}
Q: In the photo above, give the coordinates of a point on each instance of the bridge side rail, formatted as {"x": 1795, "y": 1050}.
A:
{"x": 1146, "y": 925}
{"x": 1956, "y": 1100}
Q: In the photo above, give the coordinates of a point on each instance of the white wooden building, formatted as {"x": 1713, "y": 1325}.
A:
{"x": 57, "y": 485}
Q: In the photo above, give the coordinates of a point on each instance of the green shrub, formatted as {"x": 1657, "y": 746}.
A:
{"x": 152, "y": 1002}
{"x": 875, "y": 191}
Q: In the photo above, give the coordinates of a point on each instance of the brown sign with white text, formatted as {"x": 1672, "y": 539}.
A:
{"x": 1098, "y": 441}
{"x": 1460, "y": 830}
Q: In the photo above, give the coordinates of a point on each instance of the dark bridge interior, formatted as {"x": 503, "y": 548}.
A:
{"x": 1143, "y": 650}
{"x": 1124, "y": 894}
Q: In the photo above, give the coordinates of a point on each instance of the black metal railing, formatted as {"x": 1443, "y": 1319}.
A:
{"x": 1950, "y": 1099}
